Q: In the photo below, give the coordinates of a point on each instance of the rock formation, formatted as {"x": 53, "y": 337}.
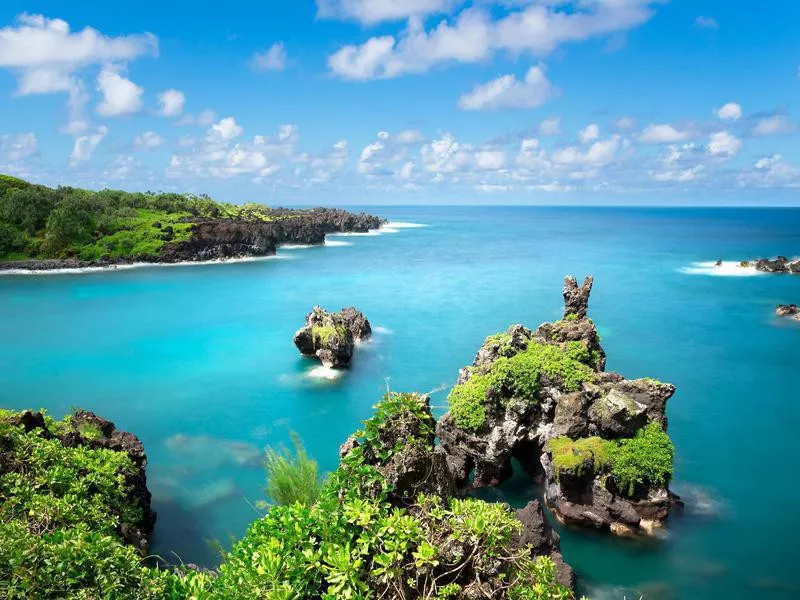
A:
{"x": 778, "y": 265}
{"x": 87, "y": 429}
{"x": 596, "y": 440}
{"x": 790, "y": 311}
{"x": 331, "y": 337}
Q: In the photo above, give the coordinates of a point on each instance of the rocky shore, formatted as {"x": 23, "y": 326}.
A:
{"x": 789, "y": 311}
{"x": 222, "y": 239}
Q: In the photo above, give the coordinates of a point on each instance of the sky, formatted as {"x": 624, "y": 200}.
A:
{"x": 644, "y": 102}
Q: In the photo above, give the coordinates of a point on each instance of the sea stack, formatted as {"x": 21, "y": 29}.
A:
{"x": 331, "y": 337}
{"x": 596, "y": 440}
{"x": 790, "y": 311}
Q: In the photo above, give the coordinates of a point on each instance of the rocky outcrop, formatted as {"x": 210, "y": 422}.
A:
{"x": 789, "y": 311}
{"x": 780, "y": 264}
{"x": 416, "y": 465}
{"x": 549, "y": 404}
{"x": 220, "y": 239}
{"x": 87, "y": 429}
{"x": 331, "y": 337}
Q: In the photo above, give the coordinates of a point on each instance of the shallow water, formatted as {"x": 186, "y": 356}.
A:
{"x": 199, "y": 363}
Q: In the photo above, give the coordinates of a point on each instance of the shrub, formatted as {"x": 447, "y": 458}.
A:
{"x": 644, "y": 459}
{"x": 292, "y": 476}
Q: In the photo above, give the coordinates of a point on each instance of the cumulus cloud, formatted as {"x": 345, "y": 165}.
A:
{"x": 120, "y": 96}
{"x": 509, "y": 92}
{"x": 370, "y": 12}
{"x": 589, "y": 134}
{"x": 729, "y": 112}
{"x": 226, "y": 129}
{"x": 85, "y": 145}
{"x": 171, "y": 103}
{"x": 662, "y": 134}
{"x": 678, "y": 175}
{"x": 771, "y": 171}
{"x": 724, "y": 144}
{"x": 550, "y": 126}
{"x": 599, "y": 154}
{"x": 148, "y": 140}
{"x": 273, "y": 58}
{"x": 474, "y": 35}
{"x": 17, "y": 147}
{"x": 706, "y": 23}
{"x": 774, "y": 125}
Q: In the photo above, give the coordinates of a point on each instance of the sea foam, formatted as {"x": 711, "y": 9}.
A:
{"x": 728, "y": 268}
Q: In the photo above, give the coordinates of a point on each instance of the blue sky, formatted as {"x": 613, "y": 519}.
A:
{"x": 651, "y": 102}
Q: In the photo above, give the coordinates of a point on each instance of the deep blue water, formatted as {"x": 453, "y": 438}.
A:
{"x": 199, "y": 363}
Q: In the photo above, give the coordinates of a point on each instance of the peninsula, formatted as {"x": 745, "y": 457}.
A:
{"x": 42, "y": 228}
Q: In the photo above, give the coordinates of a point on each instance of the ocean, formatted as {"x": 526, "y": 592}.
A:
{"x": 198, "y": 361}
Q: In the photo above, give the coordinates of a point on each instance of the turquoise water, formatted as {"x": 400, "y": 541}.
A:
{"x": 199, "y": 363}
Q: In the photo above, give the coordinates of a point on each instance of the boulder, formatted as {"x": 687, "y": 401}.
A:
{"x": 616, "y": 415}
{"x": 790, "y": 311}
{"x": 331, "y": 337}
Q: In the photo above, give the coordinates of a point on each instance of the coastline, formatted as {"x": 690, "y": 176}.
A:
{"x": 32, "y": 267}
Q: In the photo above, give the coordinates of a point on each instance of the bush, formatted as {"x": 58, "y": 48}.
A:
{"x": 292, "y": 476}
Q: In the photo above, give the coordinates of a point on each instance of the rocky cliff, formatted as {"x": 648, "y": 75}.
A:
{"x": 595, "y": 439}
{"x": 331, "y": 337}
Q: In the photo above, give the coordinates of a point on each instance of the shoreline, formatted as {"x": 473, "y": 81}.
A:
{"x": 33, "y": 267}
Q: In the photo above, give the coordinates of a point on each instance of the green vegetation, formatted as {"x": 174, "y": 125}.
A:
{"x": 40, "y": 222}
{"x": 518, "y": 376}
{"x": 61, "y": 508}
{"x": 292, "y": 476}
{"x": 644, "y": 459}
{"x": 322, "y": 334}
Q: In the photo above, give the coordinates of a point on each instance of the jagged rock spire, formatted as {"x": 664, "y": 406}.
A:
{"x": 576, "y": 299}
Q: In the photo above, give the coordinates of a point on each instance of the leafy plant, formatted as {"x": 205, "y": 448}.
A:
{"x": 292, "y": 476}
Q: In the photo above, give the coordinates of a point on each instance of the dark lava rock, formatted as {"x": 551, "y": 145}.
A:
{"x": 331, "y": 337}
{"x": 609, "y": 407}
{"x": 791, "y": 311}
{"x": 780, "y": 264}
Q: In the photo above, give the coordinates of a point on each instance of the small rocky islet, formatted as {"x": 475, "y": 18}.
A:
{"x": 788, "y": 311}
{"x": 396, "y": 518}
{"x": 331, "y": 337}
{"x": 781, "y": 264}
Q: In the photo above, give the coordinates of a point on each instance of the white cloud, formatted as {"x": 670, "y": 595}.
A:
{"x": 370, "y": 12}
{"x": 85, "y": 145}
{"x": 550, "y": 126}
{"x": 625, "y": 123}
{"x": 227, "y": 129}
{"x": 122, "y": 167}
{"x": 490, "y": 160}
{"x": 446, "y": 155}
{"x": 45, "y": 50}
{"x": 599, "y": 154}
{"x": 409, "y": 137}
{"x": 148, "y": 141}
{"x": 17, "y": 147}
{"x": 775, "y": 125}
{"x": 662, "y": 134}
{"x": 171, "y": 103}
{"x": 771, "y": 171}
{"x": 508, "y": 92}
{"x": 706, "y": 23}
{"x": 364, "y": 160}
{"x": 677, "y": 175}
{"x": 729, "y": 112}
{"x": 272, "y": 59}
{"x": 589, "y": 134}
{"x": 473, "y": 36}
{"x": 724, "y": 144}
{"x": 120, "y": 95}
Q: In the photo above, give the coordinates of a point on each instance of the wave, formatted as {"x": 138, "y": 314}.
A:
{"x": 140, "y": 265}
{"x": 728, "y": 268}
{"x": 337, "y": 243}
{"x": 297, "y": 246}
{"x": 324, "y": 372}
{"x": 382, "y": 330}
{"x": 403, "y": 225}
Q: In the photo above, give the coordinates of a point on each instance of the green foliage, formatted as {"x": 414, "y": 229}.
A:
{"x": 519, "y": 376}
{"x": 292, "y": 476}
{"x": 60, "y": 510}
{"x": 572, "y": 455}
{"x": 645, "y": 459}
{"x": 323, "y": 334}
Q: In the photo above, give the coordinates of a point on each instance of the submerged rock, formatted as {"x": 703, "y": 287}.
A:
{"x": 790, "y": 311}
{"x": 544, "y": 399}
{"x": 331, "y": 337}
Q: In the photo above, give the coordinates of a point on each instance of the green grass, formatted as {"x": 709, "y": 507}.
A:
{"x": 571, "y": 455}
{"x": 292, "y": 475}
{"x": 322, "y": 334}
